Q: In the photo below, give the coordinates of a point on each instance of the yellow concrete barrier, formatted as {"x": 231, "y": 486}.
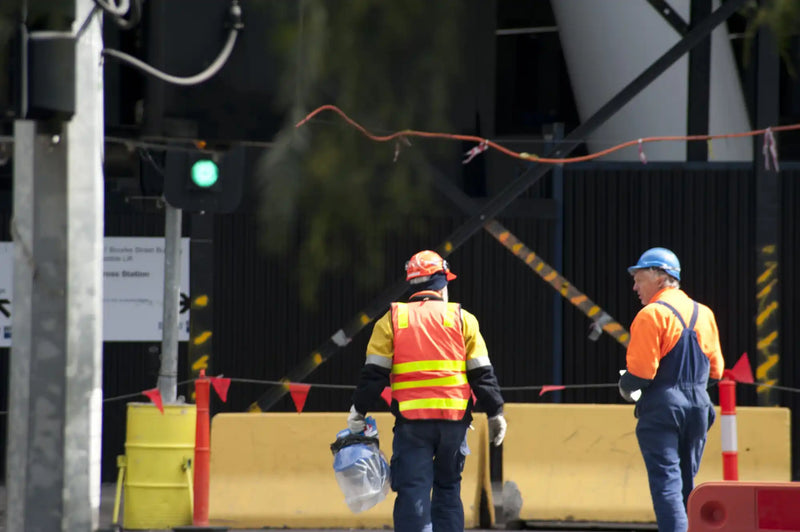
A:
{"x": 582, "y": 462}
{"x": 276, "y": 470}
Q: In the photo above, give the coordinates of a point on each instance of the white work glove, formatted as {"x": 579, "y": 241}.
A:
{"x": 497, "y": 429}
{"x": 631, "y": 397}
{"x": 355, "y": 421}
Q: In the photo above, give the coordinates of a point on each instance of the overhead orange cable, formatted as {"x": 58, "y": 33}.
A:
{"x": 529, "y": 156}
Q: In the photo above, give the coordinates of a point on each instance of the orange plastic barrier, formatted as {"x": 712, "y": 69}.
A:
{"x": 738, "y": 506}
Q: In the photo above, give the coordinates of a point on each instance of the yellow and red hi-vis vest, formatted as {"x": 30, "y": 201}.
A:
{"x": 429, "y": 370}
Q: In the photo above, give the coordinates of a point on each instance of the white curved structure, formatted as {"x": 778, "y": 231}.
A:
{"x": 607, "y": 43}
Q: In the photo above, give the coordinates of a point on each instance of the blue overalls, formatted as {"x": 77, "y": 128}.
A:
{"x": 674, "y": 414}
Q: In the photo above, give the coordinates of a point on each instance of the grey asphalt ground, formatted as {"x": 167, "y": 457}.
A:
{"x": 108, "y": 492}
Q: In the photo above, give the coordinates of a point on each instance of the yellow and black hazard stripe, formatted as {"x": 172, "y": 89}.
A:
{"x": 602, "y": 320}
{"x": 767, "y": 325}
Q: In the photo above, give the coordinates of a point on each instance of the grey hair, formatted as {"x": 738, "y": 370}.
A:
{"x": 668, "y": 279}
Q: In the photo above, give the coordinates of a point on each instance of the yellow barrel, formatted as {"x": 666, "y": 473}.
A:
{"x": 158, "y": 447}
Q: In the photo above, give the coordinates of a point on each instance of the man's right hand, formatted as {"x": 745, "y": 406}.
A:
{"x": 497, "y": 429}
{"x": 631, "y": 397}
{"x": 355, "y": 421}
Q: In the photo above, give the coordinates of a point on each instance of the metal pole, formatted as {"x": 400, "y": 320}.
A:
{"x": 200, "y": 353}
{"x": 558, "y": 263}
{"x": 168, "y": 374}
{"x": 55, "y": 392}
{"x": 767, "y": 187}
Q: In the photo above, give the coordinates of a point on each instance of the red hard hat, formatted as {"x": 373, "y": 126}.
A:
{"x": 426, "y": 263}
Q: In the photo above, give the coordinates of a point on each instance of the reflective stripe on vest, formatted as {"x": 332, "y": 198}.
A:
{"x": 428, "y": 378}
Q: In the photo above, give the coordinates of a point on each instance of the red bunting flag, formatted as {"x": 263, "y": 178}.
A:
{"x": 221, "y": 386}
{"x": 741, "y": 371}
{"x": 299, "y": 394}
{"x": 550, "y": 388}
{"x": 387, "y": 395}
{"x": 155, "y": 396}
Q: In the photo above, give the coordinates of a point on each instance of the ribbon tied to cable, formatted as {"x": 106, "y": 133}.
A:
{"x": 770, "y": 149}
{"x": 475, "y": 151}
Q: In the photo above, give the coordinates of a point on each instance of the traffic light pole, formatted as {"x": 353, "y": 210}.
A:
{"x": 55, "y": 385}
{"x": 168, "y": 374}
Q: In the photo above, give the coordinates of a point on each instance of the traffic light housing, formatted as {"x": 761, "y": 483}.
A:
{"x": 204, "y": 181}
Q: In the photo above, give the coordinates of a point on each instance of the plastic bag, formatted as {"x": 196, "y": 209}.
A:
{"x": 361, "y": 469}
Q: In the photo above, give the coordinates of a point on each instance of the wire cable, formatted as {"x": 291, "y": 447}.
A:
{"x": 502, "y": 388}
{"x": 135, "y": 16}
{"x": 111, "y": 7}
{"x": 208, "y": 73}
{"x": 486, "y": 143}
{"x": 88, "y": 20}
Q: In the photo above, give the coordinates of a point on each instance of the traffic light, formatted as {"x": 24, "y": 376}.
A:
{"x": 205, "y": 173}
{"x": 204, "y": 181}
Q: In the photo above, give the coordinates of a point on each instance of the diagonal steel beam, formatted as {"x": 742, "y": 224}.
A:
{"x": 602, "y": 321}
{"x": 499, "y": 202}
{"x": 578, "y": 135}
{"x": 670, "y": 15}
{"x": 697, "y": 108}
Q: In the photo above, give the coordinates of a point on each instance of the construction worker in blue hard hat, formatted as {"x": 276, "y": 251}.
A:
{"x": 673, "y": 352}
{"x": 432, "y": 353}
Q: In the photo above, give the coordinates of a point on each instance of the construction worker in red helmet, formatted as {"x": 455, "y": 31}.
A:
{"x": 432, "y": 354}
{"x": 673, "y": 352}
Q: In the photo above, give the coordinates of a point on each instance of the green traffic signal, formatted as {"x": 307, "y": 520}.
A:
{"x": 205, "y": 173}
{"x": 204, "y": 182}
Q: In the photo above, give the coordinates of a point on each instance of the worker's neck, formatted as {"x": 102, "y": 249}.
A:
{"x": 438, "y": 294}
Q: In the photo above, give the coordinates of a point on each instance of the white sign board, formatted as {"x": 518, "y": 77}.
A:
{"x": 133, "y": 290}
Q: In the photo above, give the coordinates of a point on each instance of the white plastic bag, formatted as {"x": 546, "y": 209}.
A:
{"x": 361, "y": 469}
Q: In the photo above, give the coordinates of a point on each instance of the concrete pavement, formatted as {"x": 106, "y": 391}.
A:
{"x": 108, "y": 492}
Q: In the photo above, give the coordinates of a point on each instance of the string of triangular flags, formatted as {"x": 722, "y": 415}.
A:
{"x": 741, "y": 372}
{"x": 220, "y": 385}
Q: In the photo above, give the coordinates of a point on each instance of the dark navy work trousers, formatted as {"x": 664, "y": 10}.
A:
{"x": 672, "y": 440}
{"x": 427, "y": 460}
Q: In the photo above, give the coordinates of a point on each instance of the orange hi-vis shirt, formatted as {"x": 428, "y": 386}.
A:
{"x": 655, "y": 331}
{"x": 429, "y": 379}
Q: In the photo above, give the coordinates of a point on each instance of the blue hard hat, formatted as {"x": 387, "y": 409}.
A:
{"x": 660, "y": 258}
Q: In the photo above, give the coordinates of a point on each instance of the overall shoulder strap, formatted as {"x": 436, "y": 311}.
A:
{"x": 677, "y": 314}
{"x": 695, "y": 312}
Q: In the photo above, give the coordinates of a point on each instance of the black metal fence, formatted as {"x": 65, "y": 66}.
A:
{"x": 612, "y": 212}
